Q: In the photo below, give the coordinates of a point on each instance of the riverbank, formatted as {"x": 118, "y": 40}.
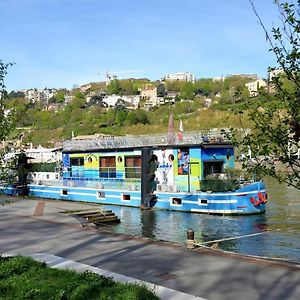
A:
{"x": 32, "y": 226}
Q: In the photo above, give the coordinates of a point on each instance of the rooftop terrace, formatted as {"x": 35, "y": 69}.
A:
{"x": 213, "y": 136}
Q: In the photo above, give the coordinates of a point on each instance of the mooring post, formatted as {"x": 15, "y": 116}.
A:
{"x": 190, "y": 243}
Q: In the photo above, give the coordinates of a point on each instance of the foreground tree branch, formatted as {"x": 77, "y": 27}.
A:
{"x": 5, "y": 124}
{"x": 275, "y": 114}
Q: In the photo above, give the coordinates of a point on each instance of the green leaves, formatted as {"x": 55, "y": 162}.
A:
{"x": 114, "y": 87}
{"x": 274, "y": 140}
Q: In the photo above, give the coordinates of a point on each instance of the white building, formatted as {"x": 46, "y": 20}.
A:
{"x": 68, "y": 98}
{"x": 112, "y": 100}
{"x": 35, "y": 95}
{"x": 41, "y": 155}
{"x": 153, "y": 101}
{"x": 254, "y": 86}
{"x": 251, "y": 76}
{"x": 44, "y": 155}
{"x": 274, "y": 73}
{"x": 182, "y": 76}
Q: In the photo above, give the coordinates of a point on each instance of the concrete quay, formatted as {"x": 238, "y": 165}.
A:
{"x": 40, "y": 229}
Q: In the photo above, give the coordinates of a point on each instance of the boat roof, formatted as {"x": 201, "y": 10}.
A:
{"x": 211, "y": 138}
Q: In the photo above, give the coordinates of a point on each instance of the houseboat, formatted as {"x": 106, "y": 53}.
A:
{"x": 184, "y": 173}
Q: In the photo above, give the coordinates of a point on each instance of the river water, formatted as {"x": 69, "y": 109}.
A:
{"x": 280, "y": 226}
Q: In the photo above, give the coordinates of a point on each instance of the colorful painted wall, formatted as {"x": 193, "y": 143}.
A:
{"x": 178, "y": 169}
{"x": 187, "y": 168}
{"x": 89, "y": 169}
{"x": 226, "y": 154}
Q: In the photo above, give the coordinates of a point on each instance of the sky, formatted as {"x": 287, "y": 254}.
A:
{"x": 67, "y": 43}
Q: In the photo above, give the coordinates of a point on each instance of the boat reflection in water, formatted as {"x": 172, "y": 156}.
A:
{"x": 280, "y": 226}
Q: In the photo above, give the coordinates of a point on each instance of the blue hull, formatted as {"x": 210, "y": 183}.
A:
{"x": 246, "y": 200}
{"x": 232, "y": 203}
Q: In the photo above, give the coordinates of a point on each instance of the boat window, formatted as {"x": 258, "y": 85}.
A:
{"x": 125, "y": 197}
{"x": 107, "y": 167}
{"x": 64, "y": 192}
{"x": 77, "y": 166}
{"x": 77, "y": 161}
{"x": 176, "y": 201}
{"x": 212, "y": 167}
{"x": 203, "y": 201}
{"x": 100, "y": 195}
{"x": 171, "y": 158}
{"x": 133, "y": 166}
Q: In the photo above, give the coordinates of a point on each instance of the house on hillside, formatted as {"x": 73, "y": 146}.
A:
{"x": 255, "y": 86}
{"x": 273, "y": 74}
{"x": 149, "y": 93}
{"x": 84, "y": 88}
{"x": 68, "y": 98}
{"x": 130, "y": 101}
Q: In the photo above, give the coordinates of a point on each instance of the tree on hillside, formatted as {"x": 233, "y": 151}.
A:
{"x": 13, "y": 95}
{"x": 173, "y": 85}
{"x": 114, "y": 87}
{"x": 59, "y": 97}
{"x": 121, "y": 116}
{"x": 137, "y": 116}
{"x": 161, "y": 90}
{"x": 187, "y": 91}
{"x": 127, "y": 87}
{"x": 77, "y": 102}
{"x": 4, "y": 119}
{"x": 207, "y": 87}
{"x": 276, "y": 122}
{"x": 18, "y": 108}
{"x": 5, "y": 123}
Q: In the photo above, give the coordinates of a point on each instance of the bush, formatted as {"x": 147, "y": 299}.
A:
{"x": 217, "y": 185}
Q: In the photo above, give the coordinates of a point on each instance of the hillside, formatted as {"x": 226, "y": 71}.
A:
{"x": 57, "y": 119}
{"x": 50, "y": 127}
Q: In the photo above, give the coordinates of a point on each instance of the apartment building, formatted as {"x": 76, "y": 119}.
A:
{"x": 38, "y": 95}
{"x": 182, "y": 76}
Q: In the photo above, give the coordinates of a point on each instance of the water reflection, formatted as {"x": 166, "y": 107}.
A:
{"x": 280, "y": 226}
{"x": 148, "y": 223}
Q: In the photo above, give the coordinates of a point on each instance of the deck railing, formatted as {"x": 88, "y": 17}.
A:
{"x": 191, "y": 138}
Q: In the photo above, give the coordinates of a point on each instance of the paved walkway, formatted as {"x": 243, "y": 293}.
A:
{"x": 39, "y": 228}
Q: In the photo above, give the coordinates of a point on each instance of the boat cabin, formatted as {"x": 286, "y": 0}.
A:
{"x": 119, "y": 163}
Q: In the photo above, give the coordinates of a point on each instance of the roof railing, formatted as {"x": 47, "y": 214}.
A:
{"x": 213, "y": 136}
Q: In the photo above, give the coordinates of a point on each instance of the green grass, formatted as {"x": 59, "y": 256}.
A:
{"x": 23, "y": 278}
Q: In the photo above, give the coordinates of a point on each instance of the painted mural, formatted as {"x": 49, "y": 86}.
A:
{"x": 183, "y": 158}
{"x": 179, "y": 168}
{"x": 164, "y": 173}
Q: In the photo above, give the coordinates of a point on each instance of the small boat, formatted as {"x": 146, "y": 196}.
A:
{"x": 181, "y": 173}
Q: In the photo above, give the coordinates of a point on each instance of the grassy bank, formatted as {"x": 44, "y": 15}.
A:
{"x": 24, "y": 278}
